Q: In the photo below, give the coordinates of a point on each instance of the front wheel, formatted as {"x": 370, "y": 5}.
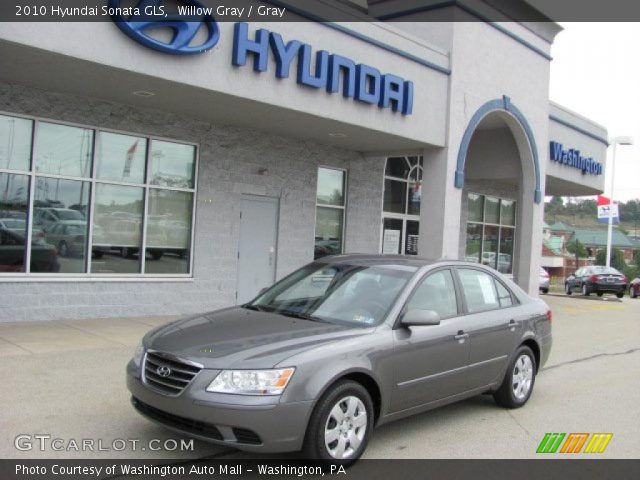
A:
{"x": 620, "y": 294}
{"x": 340, "y": 425}
{"x": 518, "y": 382}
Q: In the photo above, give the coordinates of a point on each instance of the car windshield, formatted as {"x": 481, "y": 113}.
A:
{"x": 69, "y": 215}
{"x": 15, "y": 223}
{"x": 605, "y": 271}
{"x": 355, "y": 295}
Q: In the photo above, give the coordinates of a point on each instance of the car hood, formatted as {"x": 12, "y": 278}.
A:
{"x": 241, "y": 338}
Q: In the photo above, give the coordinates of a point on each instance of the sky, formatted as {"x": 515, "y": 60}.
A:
{"x": 596, "y": 72}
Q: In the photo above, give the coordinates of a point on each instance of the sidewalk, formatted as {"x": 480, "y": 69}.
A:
{"x": 66, "y": 335}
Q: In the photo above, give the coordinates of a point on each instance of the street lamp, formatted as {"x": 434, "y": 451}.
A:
{"x": 615, "y": 141}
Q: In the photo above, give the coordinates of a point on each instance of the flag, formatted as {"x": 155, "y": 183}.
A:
{"x": 603, "y": 210}
{"x": 127, "y": 164}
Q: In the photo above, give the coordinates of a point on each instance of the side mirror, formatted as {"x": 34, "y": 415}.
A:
{"x": 418, "y": 317}
{"x": 262, "y": 290}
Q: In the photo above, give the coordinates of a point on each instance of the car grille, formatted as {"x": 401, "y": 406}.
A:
{"x": 185, "y": 424}
{"x": 180, "y": 373}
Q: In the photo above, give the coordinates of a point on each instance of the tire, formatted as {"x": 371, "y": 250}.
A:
{"x": 324, "y": 420}
{"x": 599, "y": 294}
{"x": 63, "y": 249}
{"x": 620, "y": 294}
{"x": 567, "y": 289}
{"x": 545, "y": 290}
{"x": 585, "y": 290}
{"x": 98, "y": 254}
{"x": 515, "y": 396}
{"x": 157, "y": 255}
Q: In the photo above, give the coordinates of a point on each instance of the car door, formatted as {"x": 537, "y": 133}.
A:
{"x": 576, "y": 281}
{"x": 492, "y": 322}
{"x": 430, "y": 361}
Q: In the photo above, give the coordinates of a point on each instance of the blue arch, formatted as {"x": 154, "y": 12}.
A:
{"x": 499, "y": 104}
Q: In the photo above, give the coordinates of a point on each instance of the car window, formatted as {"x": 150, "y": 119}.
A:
{"x": 579, "y": 272}
{"x": 479, "y": 290}
{"x": 504, "y": 295}
{"x": 437, "y": 293}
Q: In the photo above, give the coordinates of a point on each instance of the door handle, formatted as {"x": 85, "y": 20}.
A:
{"x": 461, "y": 336}
{"x": 512, "y": 325}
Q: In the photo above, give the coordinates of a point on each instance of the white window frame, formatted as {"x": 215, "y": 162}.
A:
{"x": 87, "y": 276}
{"x": 342, "y": 207}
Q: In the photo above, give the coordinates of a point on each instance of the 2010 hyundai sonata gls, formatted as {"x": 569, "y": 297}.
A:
{"x": 338, "y": 347}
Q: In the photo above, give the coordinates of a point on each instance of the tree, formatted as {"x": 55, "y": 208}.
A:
{"x": 617, "y": 258}
{"x": 577, "y": 248}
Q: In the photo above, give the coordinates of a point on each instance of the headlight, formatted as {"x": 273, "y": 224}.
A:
{"x": 137, "y": 355}
{"x": 251, "y": 382}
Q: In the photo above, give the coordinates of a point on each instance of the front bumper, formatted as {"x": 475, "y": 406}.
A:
{"x": 251, "y": 423}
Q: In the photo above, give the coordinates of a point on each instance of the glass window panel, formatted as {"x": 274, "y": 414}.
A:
{"x": 117, "y": 229}
{"x": 15, "y": 142}
{"x": 508, "y": 212}
{"x": 59, "y": 213}
{"x": 436, "y": 293}
{"x": 505, "y": 257}
{"x": 490, "y": 246}
{"x": 479, "y": 290}
{"x": 330, "y": 187}
{"x": 172, "y": 164}
{"x": 168, "y": 232}
{"x": 411, "y": 239}
{"x": 475, "y": 205}
{"x": 474, "y": 242}
{"x": 64, "y": 150}
{"x": 14, "y": 192}
{"x": 504, "y": 295}
{"x": 328, "y": 239}
{"x": 121, "y": 158}
{"x": 415, "y": 197}
{"x": 491, "y": 210}
{"x": 395, "y": 196}
{"x": 391, "y": 236}
{"x": 397, "y": 167}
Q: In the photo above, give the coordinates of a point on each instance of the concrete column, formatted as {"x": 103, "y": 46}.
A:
{"x": 440, "y": 208}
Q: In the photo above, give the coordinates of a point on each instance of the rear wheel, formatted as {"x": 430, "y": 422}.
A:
{"x": 340, "y": 425}
{"x": 585, "y": 290}
{"x": 518, "y": 382}
{"x": 545, "y": 290}
{"x": 567, "y": 289}
{"x": 599, "y": 294}
{"x": 620, "y": 294}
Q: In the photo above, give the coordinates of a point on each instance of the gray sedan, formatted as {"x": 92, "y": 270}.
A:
{"x": 338, "y": 347}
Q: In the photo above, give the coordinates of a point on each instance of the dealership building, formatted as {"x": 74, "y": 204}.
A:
{"x": 143, "y": 176}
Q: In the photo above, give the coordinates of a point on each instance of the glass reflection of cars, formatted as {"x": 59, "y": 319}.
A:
{"x": 44, "y": 257}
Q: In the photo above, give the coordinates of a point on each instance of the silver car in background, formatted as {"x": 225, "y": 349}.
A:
{"x": 338, "y": 347}
{"x": 544, "y": 281}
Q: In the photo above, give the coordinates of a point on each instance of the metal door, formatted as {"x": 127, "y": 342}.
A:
{"x": 257, "y": 245}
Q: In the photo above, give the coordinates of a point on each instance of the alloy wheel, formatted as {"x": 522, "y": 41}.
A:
{"x": 346, "y": 427}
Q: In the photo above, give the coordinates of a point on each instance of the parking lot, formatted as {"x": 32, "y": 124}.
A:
{"x": 66, "y": 380}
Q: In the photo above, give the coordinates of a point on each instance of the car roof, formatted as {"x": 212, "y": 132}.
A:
{"x": 390, "y": 260}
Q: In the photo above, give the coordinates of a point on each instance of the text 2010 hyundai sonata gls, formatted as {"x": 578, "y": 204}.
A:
{"x": 338, "y": 347}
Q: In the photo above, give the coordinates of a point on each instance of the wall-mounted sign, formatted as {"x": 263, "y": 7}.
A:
{"x": 391, "y": 242}
{"x": 331, "y": 72}
{"x": 573, "y": 158}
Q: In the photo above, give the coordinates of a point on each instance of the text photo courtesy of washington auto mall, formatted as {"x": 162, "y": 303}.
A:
{"x": 357, "y": 239}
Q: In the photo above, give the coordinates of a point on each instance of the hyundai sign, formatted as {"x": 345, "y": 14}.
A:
{"x": 331, "y": 72}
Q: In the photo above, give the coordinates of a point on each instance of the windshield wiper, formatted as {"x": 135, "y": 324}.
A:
{"x": 257, "y": 308}
{"x": 303, "y": 316}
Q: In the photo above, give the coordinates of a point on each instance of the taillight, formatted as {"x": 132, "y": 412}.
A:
{"x": 595, "y": 278}
{"x": 624, "y": 279}
{"x": 549, "y": 316}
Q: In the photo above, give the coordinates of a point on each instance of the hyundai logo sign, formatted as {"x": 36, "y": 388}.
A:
{"x": 151, "y": 14}
{"x": 163, "y": 371}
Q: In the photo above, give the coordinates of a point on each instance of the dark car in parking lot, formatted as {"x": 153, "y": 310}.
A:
{"x": 596, "y": 279}
{"x": 338, "y": 347}
{"x": 44, "y": 257}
